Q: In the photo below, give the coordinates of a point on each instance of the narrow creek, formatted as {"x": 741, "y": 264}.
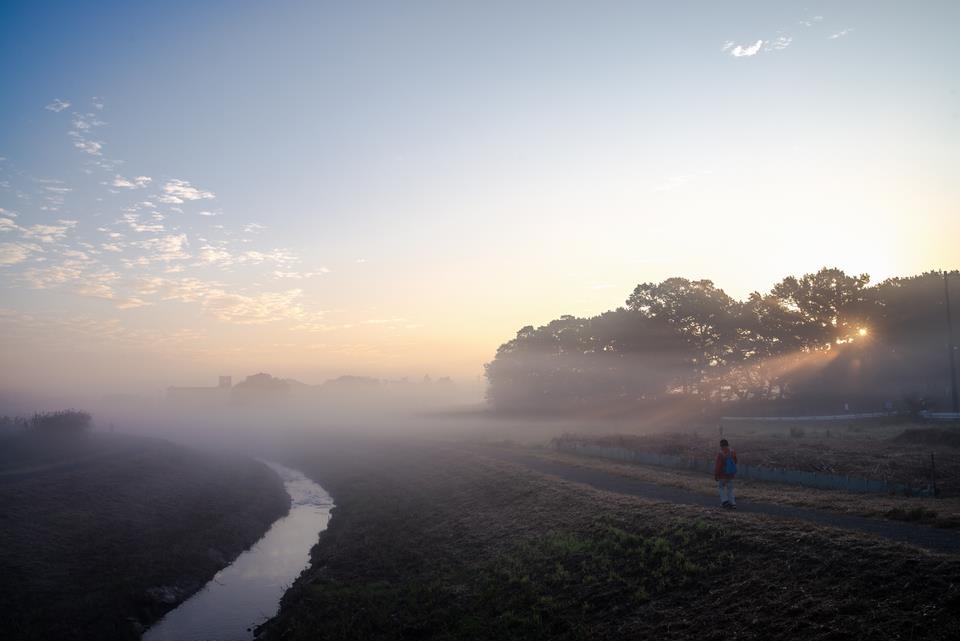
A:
{"x": 247, "y": 592}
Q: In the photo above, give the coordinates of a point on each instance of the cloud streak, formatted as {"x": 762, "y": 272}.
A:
{"x": 741, "y": 51}
{"x": 177, "y": 192}
{"x": 131, "y": 183}
{"x": 840, "y": 34}
{"x": 57, "y": 105}
{"x": 13, "y": 253}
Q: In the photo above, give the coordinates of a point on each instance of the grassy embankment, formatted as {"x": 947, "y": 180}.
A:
{"x": 941, "y": 513}
{"x": 441, "y": 543}
{"x": 103, "y": 534}
{"x": 884, "y": 449}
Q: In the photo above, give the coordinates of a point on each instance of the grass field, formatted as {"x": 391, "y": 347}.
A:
{"x": 102, "y": 534}
{"x": 888, "y": 449}
{"x": 438, "y": 542}
{"x": 940, "y": 512}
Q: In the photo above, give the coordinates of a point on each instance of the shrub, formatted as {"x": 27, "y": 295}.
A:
{"x": 61, "y": 422}
{"x": 12, "y": 423}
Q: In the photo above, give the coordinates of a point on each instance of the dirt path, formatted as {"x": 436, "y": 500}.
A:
{"x": 941, "y": 540}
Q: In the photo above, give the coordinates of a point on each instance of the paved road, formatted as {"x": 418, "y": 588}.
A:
{"x": 941, "y": 540}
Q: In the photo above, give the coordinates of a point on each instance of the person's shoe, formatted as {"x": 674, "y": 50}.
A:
{"x": 732, "y": 506}
{"x": 725, "y": 505}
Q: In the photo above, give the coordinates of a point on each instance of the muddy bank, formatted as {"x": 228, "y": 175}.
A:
{"x": 102, "y": 535}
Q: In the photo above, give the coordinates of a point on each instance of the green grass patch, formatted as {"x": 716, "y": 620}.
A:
{"x": 554, "y": 585}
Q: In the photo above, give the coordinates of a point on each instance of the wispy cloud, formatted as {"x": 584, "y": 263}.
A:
{"x": 135, "y": 268}
{"x": 176, "y": 192}
{"x": 254, "y": 310}
{"x": 13, "y": 253}
{"x": 7, "y": 222}
{"x": 86, "y": 122}
{"x": 213, "y": 255}
{"x": 840, "y": 33}
{"x": 165, "y": 248}
{"x": 83, "y": 125}
{"x": 133, "y": 220}
{"x": 62, "y": 332}
{"x": 294, "y": 275}
{"x": 92, "y": 147}
{"x": 131, "y": 183}
{"x": 49, "y": 233}
{"x": 235, "y": 307}
{"x": 740, "y": 51}
{"x": 54, "y": 275}
{"x": 57, "y": 105}
{"x": 279, "y": 256}
{"x": 779, "y": 43}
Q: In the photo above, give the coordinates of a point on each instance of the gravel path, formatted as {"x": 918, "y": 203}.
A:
{"x": 941, "y": 540}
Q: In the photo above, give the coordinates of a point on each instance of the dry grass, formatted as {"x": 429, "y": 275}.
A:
{"x": 891, "y": 450}
{"x": 942, "y": 512}
{"x": 440, "y": 543}
{"x": 91, "y": 525}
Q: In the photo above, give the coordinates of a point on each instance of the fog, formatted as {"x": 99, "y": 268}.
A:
{"x": 682, "y": 354}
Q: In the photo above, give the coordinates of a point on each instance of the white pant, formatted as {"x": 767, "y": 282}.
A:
{"x": 726, "y": 491}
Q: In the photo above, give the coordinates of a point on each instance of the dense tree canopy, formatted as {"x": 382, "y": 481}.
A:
{"x": 823, "y": 340}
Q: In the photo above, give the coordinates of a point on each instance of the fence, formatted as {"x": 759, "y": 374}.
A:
{"x": 940, "y": 416}
{"x": 789, "y": 477}
{"x": 826, "y": 417}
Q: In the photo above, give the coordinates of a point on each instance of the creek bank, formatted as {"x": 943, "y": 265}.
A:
{"x": 112, "y": 531}
{"x": 247, "y": 591}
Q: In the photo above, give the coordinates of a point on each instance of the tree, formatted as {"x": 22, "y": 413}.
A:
{"x": 816, "y": 341}
{"x": 619, "y": 356}
{"x": 700, "y": 312}
{"x": 829, "y": 306}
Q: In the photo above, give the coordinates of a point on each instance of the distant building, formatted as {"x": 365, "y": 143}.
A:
{"x": 202, "y": 395}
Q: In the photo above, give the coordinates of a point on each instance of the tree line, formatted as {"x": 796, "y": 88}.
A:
{"x": 58, "y": 422}
{"x": 823, "y": 341}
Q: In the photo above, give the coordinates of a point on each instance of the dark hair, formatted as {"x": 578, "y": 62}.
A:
{"x": 723, "y": 443}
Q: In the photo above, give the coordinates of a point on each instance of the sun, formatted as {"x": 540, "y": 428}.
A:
{"x": 862, "y": 331}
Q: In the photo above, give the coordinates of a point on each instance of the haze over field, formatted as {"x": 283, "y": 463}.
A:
{"x": 491, "y": 320}
{"x": 388, "y": 190}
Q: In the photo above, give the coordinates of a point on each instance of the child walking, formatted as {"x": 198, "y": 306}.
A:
{"x": 724, "y": 471}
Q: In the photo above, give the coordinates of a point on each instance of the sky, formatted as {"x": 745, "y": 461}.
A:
{"x": 393, "y": 189}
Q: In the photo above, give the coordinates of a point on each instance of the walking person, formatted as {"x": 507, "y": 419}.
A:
{"x": 724, "y": 471}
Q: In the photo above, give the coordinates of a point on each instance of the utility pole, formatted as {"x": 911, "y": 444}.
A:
{"x": 950, "y": 348}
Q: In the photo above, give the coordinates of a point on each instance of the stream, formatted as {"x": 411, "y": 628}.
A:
{"x": 248, "y": 591}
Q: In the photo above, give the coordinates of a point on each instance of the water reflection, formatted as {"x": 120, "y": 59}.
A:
{"x": 248, "y": 591}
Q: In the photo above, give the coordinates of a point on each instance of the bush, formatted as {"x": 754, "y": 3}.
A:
{"x": 12, "y": 423}
{"x": 61, "y": 422}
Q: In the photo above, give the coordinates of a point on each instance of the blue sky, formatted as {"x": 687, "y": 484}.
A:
{"x": 394, "y": 189}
